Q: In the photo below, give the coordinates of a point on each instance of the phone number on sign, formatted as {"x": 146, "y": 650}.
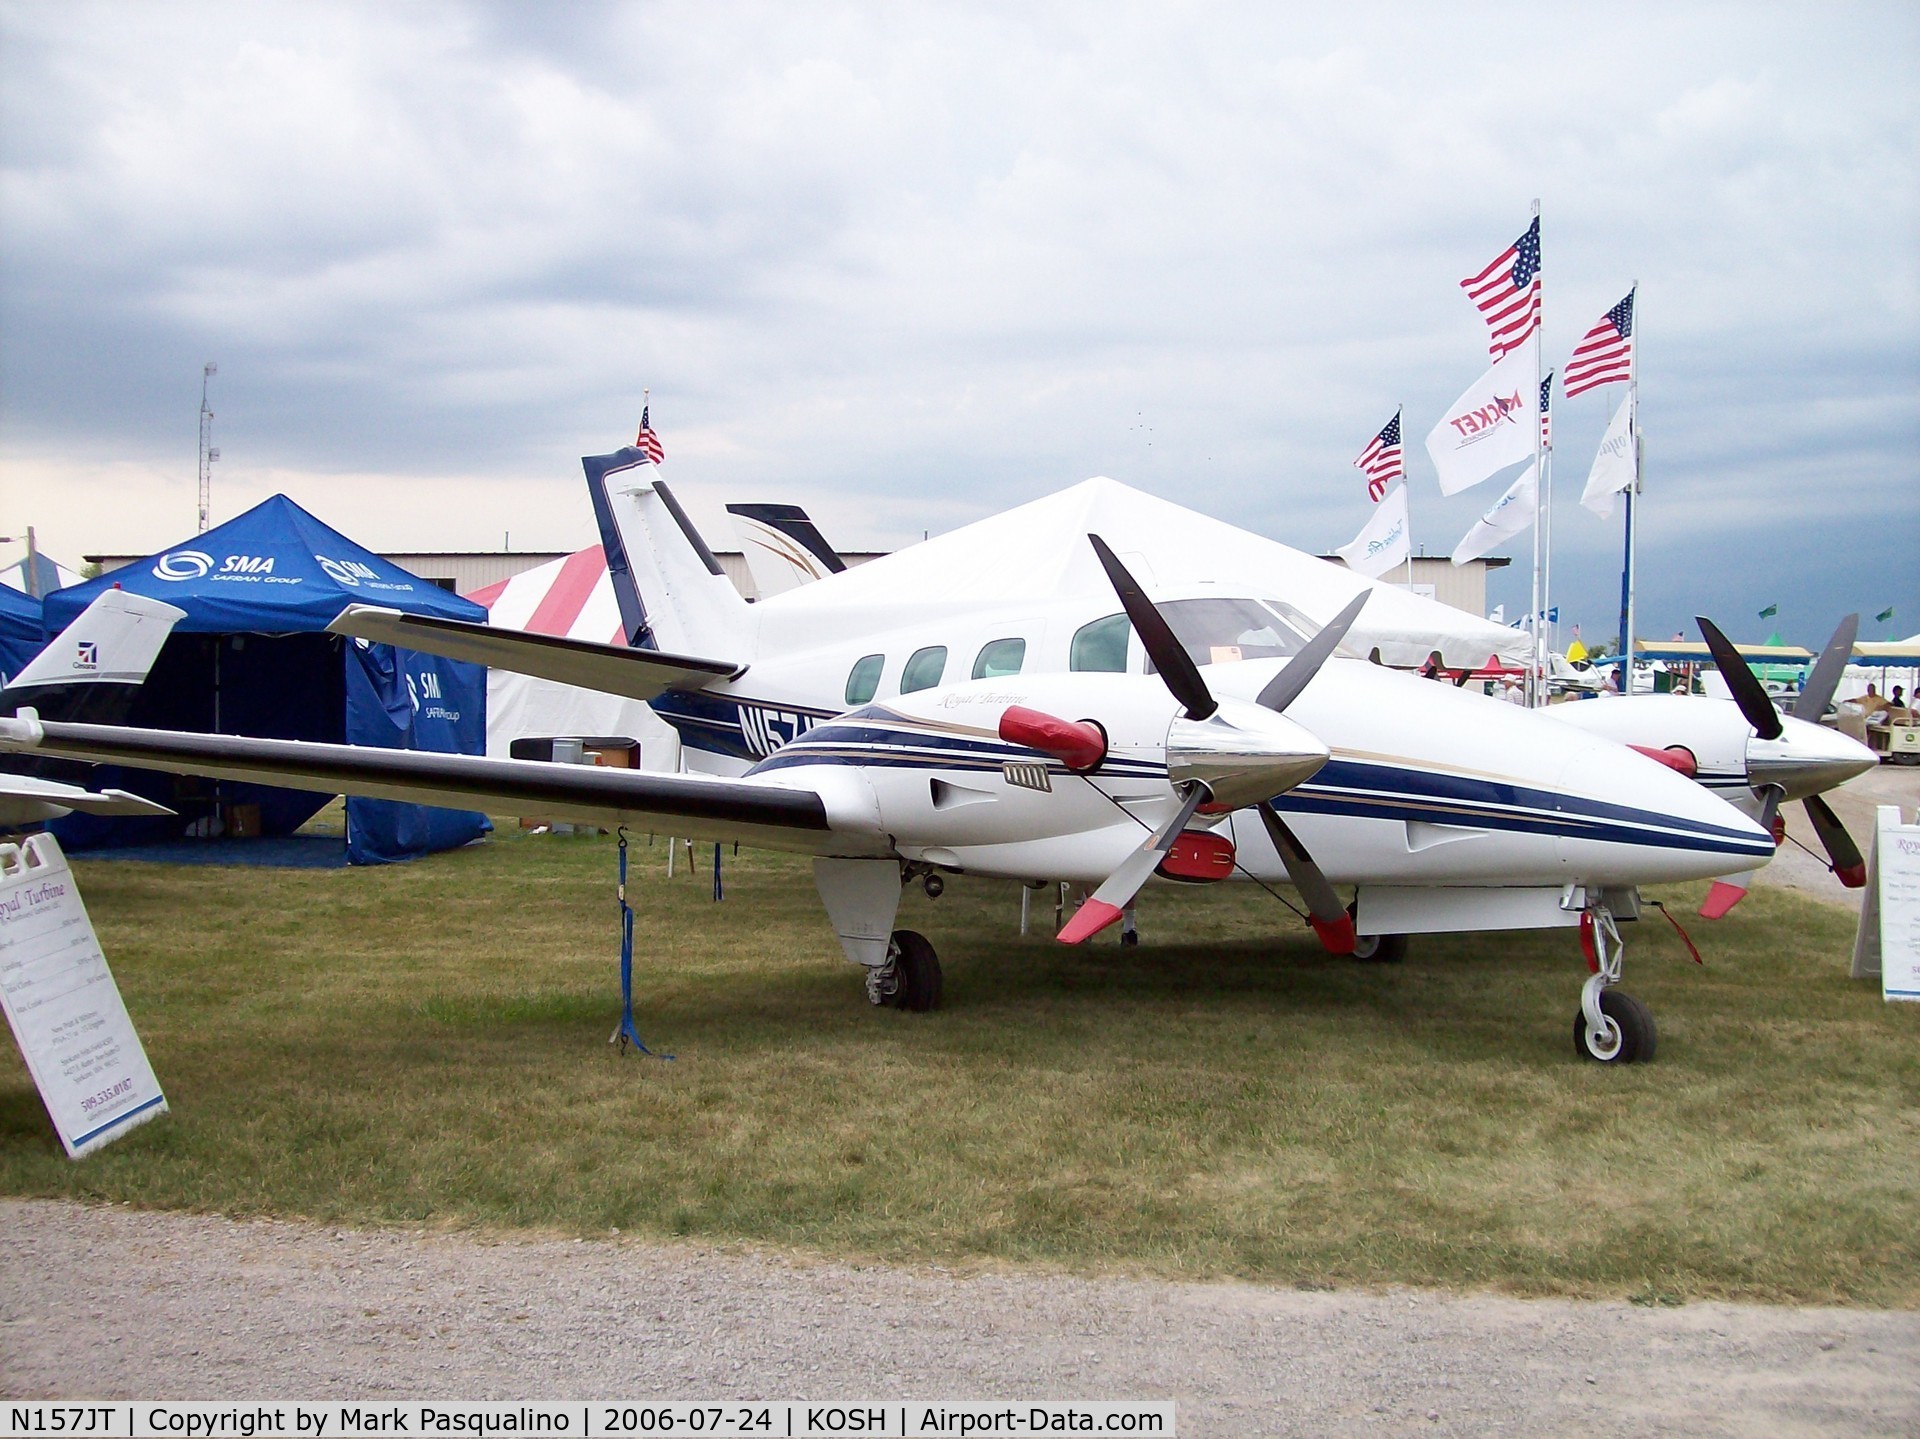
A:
{"x": 94, "y": 1101}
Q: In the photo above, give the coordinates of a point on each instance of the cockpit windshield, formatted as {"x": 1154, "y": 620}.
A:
{"x": 1220, "y": 631}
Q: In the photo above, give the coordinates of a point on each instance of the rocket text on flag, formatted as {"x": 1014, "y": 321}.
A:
{"x": 1604, "y": 355}
{"x": 1486, "y": 429}
{"x": 1507, "y": 293}
{"x": 647, "y": 440}
{"x": 1380, "y": 461}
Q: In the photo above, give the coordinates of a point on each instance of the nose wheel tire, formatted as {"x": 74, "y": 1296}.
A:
{"x": 1377, "y": 948}
{"x": 910, "y": 979}
{"x": 1629, "y": 1037}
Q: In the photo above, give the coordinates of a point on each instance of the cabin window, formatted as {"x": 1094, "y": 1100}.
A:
{"x": 1101, "y": 645}
{"x": 924, "y": 669}
{"x": 1220, "y": 631}
{"x": 998, "y": 658}
{"x": 864, "y": 678}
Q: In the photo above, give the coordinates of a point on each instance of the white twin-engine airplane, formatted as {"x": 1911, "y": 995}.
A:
{"x": 1253, "y": 749}
{"x": 89, "y": 672}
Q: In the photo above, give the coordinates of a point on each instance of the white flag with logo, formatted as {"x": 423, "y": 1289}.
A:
{"x": 1613, "y": 467}
{"x": 1510, "y": 514}
{"x": 1493, "y": 425}
{"x": 1383, "y": 543}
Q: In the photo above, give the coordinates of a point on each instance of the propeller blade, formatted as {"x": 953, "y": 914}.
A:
{"x": 1730, "y": 889}
{"x": 1326, "y": 914}
{"x": 1848, "y": 866}
{"x": 1824, "y": 678}
{"x": 1724, "y": 895}
{"x": 1163, "y": 647}
{"x": 1748, "y": 692}
{"x": 1285, "y": 687}
{"x": 1113, "y": 896}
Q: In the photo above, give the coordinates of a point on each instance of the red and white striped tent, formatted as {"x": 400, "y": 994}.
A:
{"x": 571, "y": 596}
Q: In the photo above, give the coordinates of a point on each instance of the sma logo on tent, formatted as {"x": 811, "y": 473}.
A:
{"x": 183, "y": 565}
{"x": 348, "y": 572}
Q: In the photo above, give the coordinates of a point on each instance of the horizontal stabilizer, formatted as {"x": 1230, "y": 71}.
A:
{"x": 610, "y": 669}
{"x": 29, "y": 799}
{"x": 693, "y": 806}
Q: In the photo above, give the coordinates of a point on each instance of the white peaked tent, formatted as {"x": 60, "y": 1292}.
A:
{"x": 1039, "y": 551}
{"x": 572, "y": 596}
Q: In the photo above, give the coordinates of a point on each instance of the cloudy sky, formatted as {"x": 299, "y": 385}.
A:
{"x": 911, "y": 264}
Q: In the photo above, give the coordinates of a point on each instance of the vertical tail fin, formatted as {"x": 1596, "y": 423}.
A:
{"x": 90, "y": 670}
{"x": 672, "y": 593}
{"x": 783, "y": 547}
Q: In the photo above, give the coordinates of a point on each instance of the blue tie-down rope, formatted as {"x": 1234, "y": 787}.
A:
{"x": 626, "y": 1034}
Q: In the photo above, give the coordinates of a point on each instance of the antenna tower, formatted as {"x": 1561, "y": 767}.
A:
{"x": 208, "y": 454}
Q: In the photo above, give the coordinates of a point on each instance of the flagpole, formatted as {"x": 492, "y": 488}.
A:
{"x": 1627, "y": 576}
{"x": 1398, "y": 416}
{"x": 1546, "y": 490}
{"x": 1534, "y": 697}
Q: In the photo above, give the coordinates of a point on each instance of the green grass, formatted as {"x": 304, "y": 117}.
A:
{"x": 426, "y": 1045}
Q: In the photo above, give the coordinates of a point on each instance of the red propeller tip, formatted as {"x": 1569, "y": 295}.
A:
{"x": 1721, "y": 898}
{"x": 1088, "y": 920}
{"x": 1336, "y": 935}
{"x": 1853, "y": 876}
{"x": 1077, "y": 744}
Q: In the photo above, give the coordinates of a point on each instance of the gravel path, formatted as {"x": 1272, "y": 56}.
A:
{"x": 116, "y": 1303}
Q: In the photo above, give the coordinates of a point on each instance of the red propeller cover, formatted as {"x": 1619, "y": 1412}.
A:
{"x": 1198, "y": 856}
{"x": 1077, "y": 744}
{"x": 1674, "y": 757}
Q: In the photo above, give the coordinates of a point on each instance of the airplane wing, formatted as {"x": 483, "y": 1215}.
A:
{"x": 610, "y": 669}
{"x": 692, "y": 806}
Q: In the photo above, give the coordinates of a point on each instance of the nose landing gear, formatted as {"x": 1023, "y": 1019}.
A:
{"x": 1611, "y": 1027}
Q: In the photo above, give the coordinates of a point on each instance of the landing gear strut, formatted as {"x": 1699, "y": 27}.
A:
{"x": 1611, "y": 1027}
{"x": 910, "y": 979}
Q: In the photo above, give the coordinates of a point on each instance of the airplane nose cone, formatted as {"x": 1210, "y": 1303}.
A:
{"x": 1806, "y": 759}
{"x": 1242, "y": 753}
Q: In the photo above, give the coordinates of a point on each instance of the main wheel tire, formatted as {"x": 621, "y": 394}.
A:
{"x": 1634, "y": 1021}
{"x": 1377, "y": 948}
{"x": 920, "y": 982}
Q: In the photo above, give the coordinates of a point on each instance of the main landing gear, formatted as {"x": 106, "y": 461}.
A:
{"x": 910, "y": 979}
{"x": 1376, "y": 948}
{"x": 1611, "y": 1027}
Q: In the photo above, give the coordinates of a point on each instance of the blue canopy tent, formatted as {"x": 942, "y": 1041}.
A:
{"x": 253, "y": 657}
{"x": 21, "y": 636}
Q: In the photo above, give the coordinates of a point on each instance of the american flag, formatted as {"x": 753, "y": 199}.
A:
{"x": 1507, "y": 293}
{"x": 647, "y": 440}
{"x": 1380, "y": 460}
{"x": 1605, "y": 355}
{"x": 1546, "y": 412}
